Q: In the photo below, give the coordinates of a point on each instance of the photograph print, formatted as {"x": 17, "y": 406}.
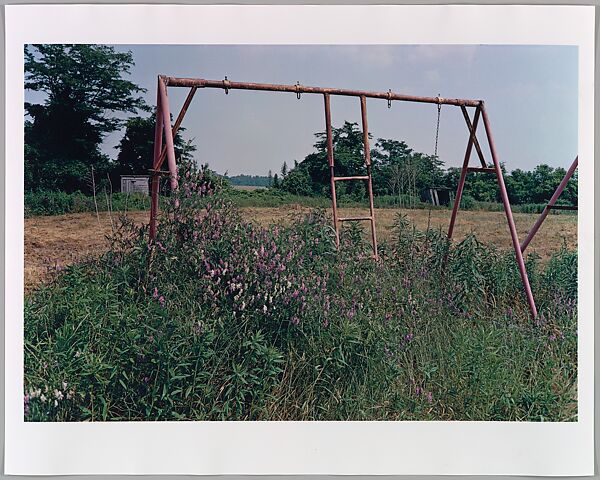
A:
{"x": 300, "y": 232}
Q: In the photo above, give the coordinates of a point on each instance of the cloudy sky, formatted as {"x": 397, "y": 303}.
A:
{"x": 530, "y": 94}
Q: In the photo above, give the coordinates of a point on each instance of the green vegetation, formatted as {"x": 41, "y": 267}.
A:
{"x": 84, "y": 91}
{"x": 249, "y": 180}
{"x": 86, "y": 94}
{"x": 399, "y": 171}
{"x": 60, "y": 203}
{"x": 221, "y": 319}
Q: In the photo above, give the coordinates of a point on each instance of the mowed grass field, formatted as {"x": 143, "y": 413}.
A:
{"x": 52, "y": 242}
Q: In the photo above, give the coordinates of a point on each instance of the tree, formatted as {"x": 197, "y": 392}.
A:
{"x": 284, "y": 169}
{"x": 297, "y": 181}
{"x": 348, "y": 153}
{"x": 270, "y": 179}
{"x": 84, "y": 91}
{"x": 136, "y": 148}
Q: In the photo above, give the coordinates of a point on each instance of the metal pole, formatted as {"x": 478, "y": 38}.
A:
{"x": 551, "y": 203}
{"x": 158, "y": 133}
{"x": 177, "y": 124}
{"x": 228, "y": 85}
{"x": 365, "y": 126}
{"x": 168, "y": 135}
{"x": 463, "y": 173}
{"x": 473, "y": 133}
{"x": 331, "y": 167}
{"x": 509, "y": 216}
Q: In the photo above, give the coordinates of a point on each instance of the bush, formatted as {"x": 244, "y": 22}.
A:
{"x": 221, "y": 319}
{"x": 60, "y": 203}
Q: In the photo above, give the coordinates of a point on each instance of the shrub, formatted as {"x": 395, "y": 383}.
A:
{"x": 221, "y": 319}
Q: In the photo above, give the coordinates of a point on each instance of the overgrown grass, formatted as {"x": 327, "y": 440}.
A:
{"x": 221, "y": 319}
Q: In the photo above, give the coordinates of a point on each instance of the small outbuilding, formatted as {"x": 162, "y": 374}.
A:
{"x": 135, "y": 184}
{"x": 439, "y": 196}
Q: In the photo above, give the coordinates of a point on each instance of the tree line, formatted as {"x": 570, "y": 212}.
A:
{"x": 86, "y": 96}
{"x": 399, "y": 170}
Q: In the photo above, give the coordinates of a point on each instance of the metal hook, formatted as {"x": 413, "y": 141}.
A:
{"x": 298, "y": 94}
{"x": 226, "y": 83}
{"x": 390, "y": 98}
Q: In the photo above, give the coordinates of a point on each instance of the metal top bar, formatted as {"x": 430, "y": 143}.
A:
{"x": 298, "y": 89}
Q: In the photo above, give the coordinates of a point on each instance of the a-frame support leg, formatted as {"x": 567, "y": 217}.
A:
{"x": 544, "y": 214}
{"x": 160, "y": 151}
{"x": 509, "y": 216}
{"x": 480, "y": 110}
{"x": 464, "y": 170}
{"x": 331, "y": 167}
{"x": 158, "y": 135}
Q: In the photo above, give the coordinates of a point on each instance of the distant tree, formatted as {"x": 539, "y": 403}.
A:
{"x": 270, "y": 177}
{"x": 85, "y": 90}
{"x": 249, "y": 180}
{"x": 276, "y": 181}
{"x": 298, "y": 182}
{"x": 284, "y": 170}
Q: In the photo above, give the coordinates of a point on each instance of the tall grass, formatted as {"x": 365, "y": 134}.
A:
{"x": 220, "y": 319}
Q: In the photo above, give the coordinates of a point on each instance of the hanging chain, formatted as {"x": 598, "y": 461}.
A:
{"x": 437, "y": 129}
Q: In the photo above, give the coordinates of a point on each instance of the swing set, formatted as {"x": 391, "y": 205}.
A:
{"x": 167, "y": 151}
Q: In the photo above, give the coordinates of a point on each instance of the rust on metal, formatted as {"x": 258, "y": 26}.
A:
{"x": 551, "y": 204}
{"x": 472, "y": 129}
{"x": 330, "y": 160}
{"x": 178, "y": 121}
{"x": 509, "y": 216}
{"x": 463, "y": 172}
{"x": 163, "y": 121}
{"x": 367, "y": 151}
{"x": 158, "y": 133}
{"x": 297, "y": 89}
{"x": 355, "y": 177}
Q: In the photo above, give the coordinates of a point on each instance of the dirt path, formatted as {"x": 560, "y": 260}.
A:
{"x": 65, "y": 239}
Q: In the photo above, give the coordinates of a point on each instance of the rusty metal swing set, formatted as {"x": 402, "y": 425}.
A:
{"x": 167, "y": 151}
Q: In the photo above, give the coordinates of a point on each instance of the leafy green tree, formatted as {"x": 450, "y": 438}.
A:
{"x": 298, "y": 182}
{"x": 348, "y": 154}
{"x": 390, "y": 161}
{"x": 136, "y": 148}
{"x": 85, "y": 90}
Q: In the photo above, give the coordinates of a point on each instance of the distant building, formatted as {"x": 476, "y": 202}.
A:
{"x": 439, "y": 196}
{"x": 135, "y": 184}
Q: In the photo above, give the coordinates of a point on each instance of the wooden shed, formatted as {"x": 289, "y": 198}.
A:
{"x": 135, "y": 184}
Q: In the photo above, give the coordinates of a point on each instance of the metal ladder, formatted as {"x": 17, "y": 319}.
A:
{"x": 337, "y": 220}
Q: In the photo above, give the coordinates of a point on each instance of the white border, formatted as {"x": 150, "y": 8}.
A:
{"x": 295, "y": 447}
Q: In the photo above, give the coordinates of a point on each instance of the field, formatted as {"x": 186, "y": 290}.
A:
{"x": 53, "y": 242}
{"x": 252, "y": 313}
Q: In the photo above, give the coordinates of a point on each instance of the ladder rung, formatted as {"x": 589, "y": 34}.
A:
{"x": 481, "y": 169}
{"x": 356, "y": 177}
{"x": 352, "y": 219}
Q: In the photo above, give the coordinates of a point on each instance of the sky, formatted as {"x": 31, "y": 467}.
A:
{"x": 530, "y": 94}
